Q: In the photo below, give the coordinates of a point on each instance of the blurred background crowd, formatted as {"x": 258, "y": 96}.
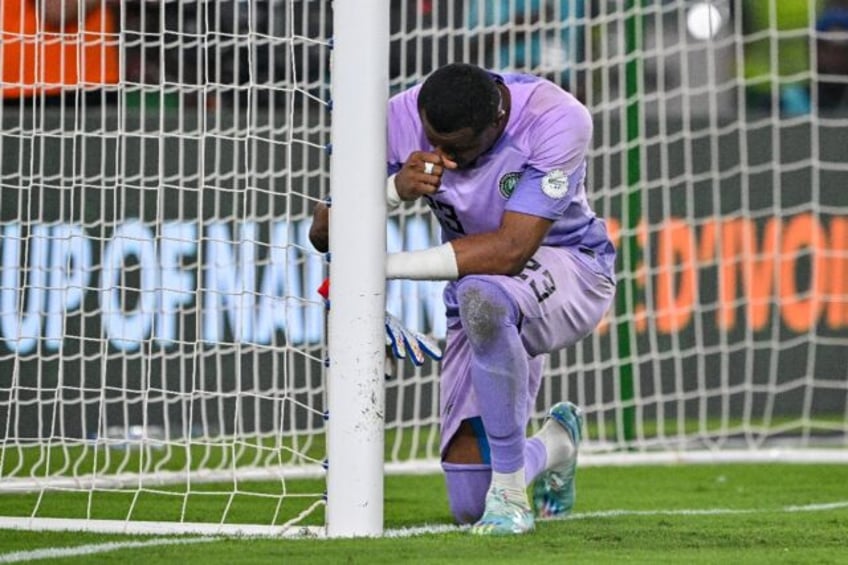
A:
{"x": 793, "y": 55}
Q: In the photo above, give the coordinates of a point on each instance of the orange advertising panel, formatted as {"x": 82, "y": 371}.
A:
{"x": 36, "y": 59}
{"x": 795, "y": 268}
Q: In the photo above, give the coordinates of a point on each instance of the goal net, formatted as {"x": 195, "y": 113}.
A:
{"x": 162, "y": 344}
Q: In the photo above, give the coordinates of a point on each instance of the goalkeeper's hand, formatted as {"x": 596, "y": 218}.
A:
{"x": 405, "y": 342}
{"x": 400, "y": 340}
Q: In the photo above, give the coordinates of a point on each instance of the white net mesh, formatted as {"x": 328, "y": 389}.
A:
{"x": 159, "y": 316}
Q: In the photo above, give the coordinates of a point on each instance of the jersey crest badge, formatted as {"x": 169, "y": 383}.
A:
{"x": 507, "y": 184}
{"x": 555, "y": 184}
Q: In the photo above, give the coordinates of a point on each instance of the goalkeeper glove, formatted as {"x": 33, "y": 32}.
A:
{"x": 401, "y": 340}
{"x": 404, "y": 341}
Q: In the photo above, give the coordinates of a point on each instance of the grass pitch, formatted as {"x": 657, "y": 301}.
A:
{"x": 765, "y": 513}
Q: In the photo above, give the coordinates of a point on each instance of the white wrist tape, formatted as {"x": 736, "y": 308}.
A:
{"x": 392, "y": 197}
{"x": 433, "y": 264}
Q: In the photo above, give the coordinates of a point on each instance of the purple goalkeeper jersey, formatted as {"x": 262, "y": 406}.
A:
{"x": 537, "y": 167}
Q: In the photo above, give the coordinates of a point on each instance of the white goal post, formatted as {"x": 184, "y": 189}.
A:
{"x": 356, "y": 332}
{"x": 164, "y": 364}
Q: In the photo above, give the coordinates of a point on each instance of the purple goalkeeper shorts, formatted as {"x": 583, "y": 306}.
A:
{"x": 562, "y": 296}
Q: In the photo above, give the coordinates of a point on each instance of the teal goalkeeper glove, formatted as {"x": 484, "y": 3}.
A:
{"x": 405, "y": 342}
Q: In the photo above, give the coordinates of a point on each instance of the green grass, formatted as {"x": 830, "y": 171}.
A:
{"x": 670, "y": 514}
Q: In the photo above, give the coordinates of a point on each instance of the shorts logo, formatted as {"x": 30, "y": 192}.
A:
{"x": 555, "y": 184}
{"x": 506, "y": 185}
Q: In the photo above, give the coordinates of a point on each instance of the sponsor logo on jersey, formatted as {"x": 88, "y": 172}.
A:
{"x": 506, "y": 185}
{"x": 555, "y": 183}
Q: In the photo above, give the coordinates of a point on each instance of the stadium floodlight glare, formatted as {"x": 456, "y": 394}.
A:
{"x": 704, "y": 20}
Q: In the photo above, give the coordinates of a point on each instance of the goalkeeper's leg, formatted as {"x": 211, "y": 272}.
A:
{"x": 550, "y": 455}
{"x": 468, "y": 471}
{"x": 465, "y": 449}
{"x": 506, "y": 325}
{"x": 500, "y": 381}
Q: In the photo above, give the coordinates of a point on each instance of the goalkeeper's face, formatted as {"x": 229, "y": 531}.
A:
{"x": 474, "y": 136}
{"x": 463, "y": 146}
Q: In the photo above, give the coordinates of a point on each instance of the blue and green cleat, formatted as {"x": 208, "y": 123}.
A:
{"x": 554, "y": 490}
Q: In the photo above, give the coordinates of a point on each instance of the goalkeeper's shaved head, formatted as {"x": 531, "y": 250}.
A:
{"x": 459, "y": 96}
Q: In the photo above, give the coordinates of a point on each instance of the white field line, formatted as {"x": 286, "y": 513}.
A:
{"x": 709, "y": 511}
{"x": 444, "y": 528}
{"x": 62, "y": 552}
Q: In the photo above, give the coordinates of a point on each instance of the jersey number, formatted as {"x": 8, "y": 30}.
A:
{"x": 540, "y": 280}
{"x": 447, "y": 215}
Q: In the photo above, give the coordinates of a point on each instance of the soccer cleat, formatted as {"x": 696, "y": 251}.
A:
{"x": 554, "y": 491}
{"x": 504, "y": 515}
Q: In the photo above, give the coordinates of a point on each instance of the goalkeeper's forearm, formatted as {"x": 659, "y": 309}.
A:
{"x": 433, "y": 264}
